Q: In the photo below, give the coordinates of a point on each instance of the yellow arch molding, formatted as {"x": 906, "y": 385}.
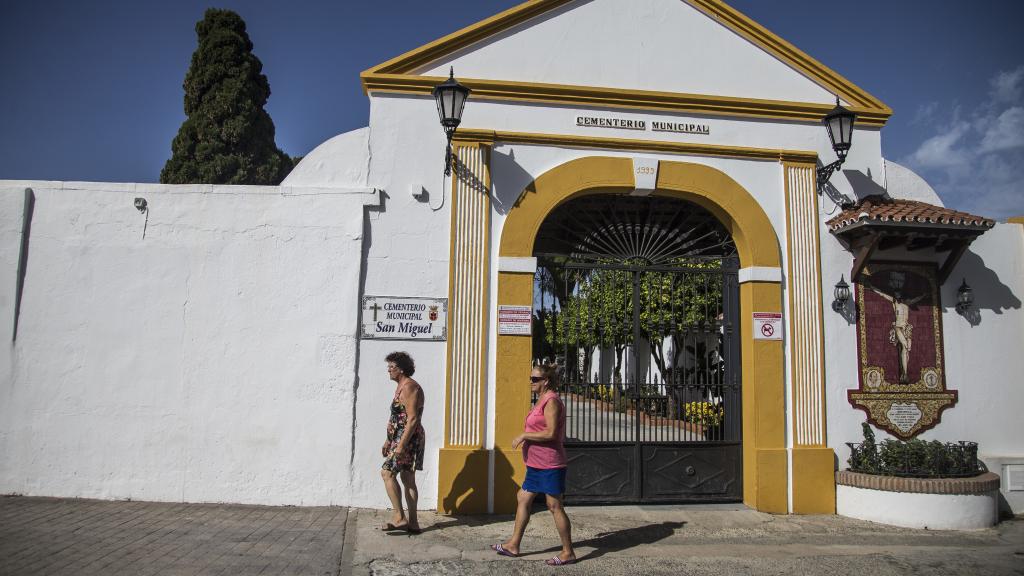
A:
{"x": 764, "y": 452}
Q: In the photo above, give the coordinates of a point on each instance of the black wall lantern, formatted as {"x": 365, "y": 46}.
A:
{"x": 964, "y": 297}
{"x": 839, "y": 123}
{"x": 841, "y": 294}
{"x": 451, "y": 98}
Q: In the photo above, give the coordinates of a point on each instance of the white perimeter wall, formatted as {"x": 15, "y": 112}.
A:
{"x": 213, "y": 360}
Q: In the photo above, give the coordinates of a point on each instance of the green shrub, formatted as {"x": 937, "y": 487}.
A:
{"x": 915, "y": 457}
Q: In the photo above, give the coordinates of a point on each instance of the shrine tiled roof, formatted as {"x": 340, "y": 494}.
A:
{"x": 880, "y": 209}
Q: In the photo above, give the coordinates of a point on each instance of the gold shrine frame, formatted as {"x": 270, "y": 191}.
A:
{"x": 903, "y": 406}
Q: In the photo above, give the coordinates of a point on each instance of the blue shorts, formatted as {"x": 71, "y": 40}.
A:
{"x": 545, "y": 481}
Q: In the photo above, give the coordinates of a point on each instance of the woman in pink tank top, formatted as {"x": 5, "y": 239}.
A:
{"x": 544, "y": 453}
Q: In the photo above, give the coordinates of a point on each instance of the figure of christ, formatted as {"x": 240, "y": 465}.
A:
{"x": 901, "y": 334}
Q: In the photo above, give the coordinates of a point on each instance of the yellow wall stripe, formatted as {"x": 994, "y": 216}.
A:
{"x": 634, "y": 145}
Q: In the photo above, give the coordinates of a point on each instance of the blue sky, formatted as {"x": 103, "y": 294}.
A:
{"x": 92, "y": 90}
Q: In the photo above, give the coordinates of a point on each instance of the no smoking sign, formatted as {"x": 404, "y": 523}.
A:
{"x": 767, "y": 326}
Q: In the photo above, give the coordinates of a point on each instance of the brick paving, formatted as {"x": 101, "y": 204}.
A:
{"x": 55, "y": 536}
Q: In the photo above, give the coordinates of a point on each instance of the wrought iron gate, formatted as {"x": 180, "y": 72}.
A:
{"x": 638, "y": 300}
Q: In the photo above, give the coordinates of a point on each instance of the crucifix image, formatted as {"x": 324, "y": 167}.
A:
{"x": 901, "y": 335}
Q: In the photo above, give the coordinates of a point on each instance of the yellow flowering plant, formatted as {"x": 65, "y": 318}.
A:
{"x": 703, "y": 413}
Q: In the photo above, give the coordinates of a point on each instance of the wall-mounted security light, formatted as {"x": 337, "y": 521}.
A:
{"x": 451, "y": 99}
{"x": 964, "y": 297}
{"x": 141, "y": 205}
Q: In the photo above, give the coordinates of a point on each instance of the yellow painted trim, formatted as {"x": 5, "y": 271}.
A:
{"x": 795, "y": 353}
{"x": 467, "y": 36}
{"x": 451, "y": 308}
{"x": 485, "y": 167}
{"x": 772, "y": 496}
{"x": 814, "y": 480}
{"x": 512, "y": 391}
{"x": 764, "y": 453}
{"x": 634, "y": 145}
{"x": 596, "y": 96}
{"x": 462, "y": 475}
{"x": 764, "y": 421}
{"x": 821, "y": 321}
{"x": 398, "y": 74}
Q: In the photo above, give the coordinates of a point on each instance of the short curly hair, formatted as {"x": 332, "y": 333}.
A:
{"x": 403, "y": 361}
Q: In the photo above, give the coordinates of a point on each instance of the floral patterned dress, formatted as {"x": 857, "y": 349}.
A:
{"x": 412, "y": 458}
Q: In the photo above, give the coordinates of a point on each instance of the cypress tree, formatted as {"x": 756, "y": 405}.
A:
{"x": 227, "y": 137}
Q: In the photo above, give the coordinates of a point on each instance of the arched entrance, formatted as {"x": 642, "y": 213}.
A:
{"x": 764, "y": 458}
{"x": 637, "y": 299}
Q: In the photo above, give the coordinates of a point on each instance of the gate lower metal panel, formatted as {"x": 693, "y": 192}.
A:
{"x": 692, "y": 472}
{"x": 602, "y": 474}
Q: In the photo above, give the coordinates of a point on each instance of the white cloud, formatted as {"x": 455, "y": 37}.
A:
{"x": 925, "y": 113}
{"x": 1006, "y": 132}
{"x": 1008, "y": 86}
{"x": 976, "y": 161}
{"x": 940, "y": 151}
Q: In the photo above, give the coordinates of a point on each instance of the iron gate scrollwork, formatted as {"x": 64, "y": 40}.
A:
{"x": 637, "y": 300}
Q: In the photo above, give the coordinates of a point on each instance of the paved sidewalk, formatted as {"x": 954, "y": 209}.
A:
{"x": 82, "y": 537}
{"x": 687, "y": 540}
{"x": 65, "y": 536}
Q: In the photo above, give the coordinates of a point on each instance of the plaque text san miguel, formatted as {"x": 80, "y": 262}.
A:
{"x": 631, "y": 124}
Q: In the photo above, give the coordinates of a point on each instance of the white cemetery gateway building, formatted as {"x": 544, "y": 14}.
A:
{"x": 658, "y": 224}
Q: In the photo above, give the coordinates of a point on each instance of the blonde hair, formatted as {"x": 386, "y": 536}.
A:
{"x": 551, "y": 373}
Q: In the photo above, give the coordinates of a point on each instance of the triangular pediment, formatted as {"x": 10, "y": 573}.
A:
{"x": 690, "y": 55}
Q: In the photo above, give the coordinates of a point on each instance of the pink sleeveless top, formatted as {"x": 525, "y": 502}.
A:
{"x": 545, "y": 455}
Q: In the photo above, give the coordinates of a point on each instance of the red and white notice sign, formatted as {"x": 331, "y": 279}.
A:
{"x": 767, "y": 325}
{"x": 515, "y": 320}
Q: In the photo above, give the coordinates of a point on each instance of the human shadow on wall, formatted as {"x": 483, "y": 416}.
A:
{"x": 466, "y": 490}
{"x": 514, "y": 180}
{"x": 990, "y": 293}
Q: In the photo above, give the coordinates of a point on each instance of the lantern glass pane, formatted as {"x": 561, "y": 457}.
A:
{"x": 440, "y": 110}
{"x": 459, "y": 104}
{"x": 835, "y": 132}
{"x": 847, "y": 123}
{"x": 447, "y": 103}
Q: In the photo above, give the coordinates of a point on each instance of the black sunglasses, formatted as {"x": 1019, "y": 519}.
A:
{"x": 536, "y": 379}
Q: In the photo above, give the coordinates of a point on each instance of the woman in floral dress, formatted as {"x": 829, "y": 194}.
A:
{"x": 403, "y": 448}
